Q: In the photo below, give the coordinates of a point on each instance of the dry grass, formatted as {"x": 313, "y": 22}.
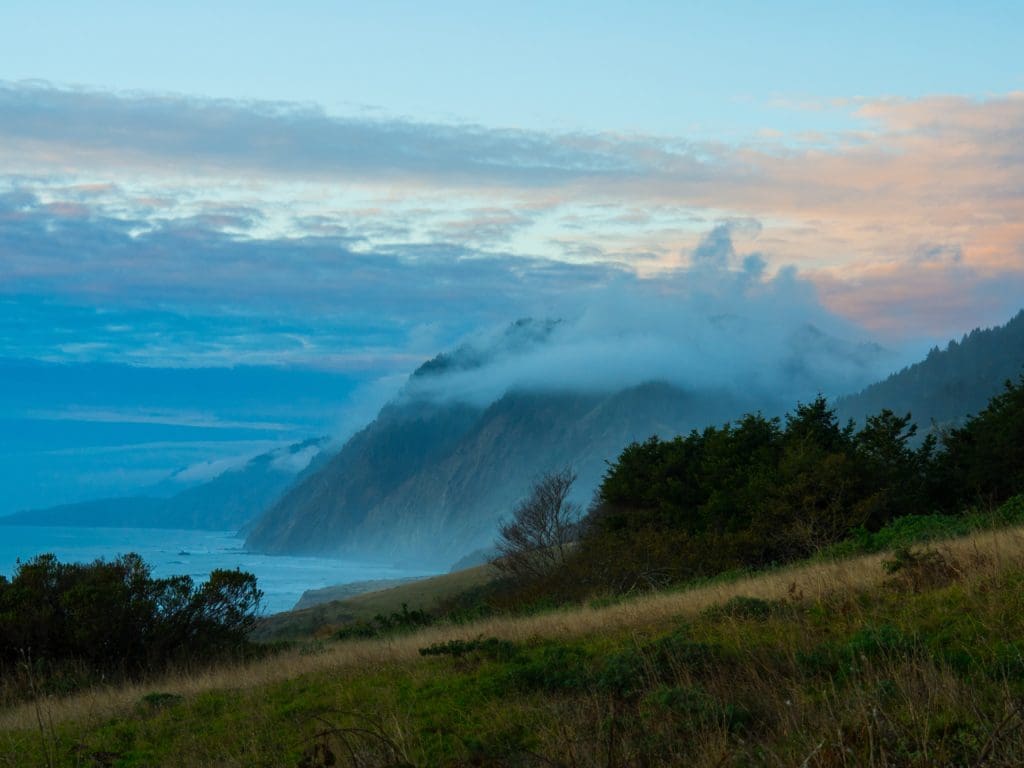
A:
{"x": 422, "y": 593}
{"x": 808, "y": 582}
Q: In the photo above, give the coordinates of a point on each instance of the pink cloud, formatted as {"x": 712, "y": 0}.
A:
{"x": 872, "y": 215}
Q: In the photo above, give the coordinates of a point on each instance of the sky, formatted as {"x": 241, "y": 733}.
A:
{"x": 333, "y": 192}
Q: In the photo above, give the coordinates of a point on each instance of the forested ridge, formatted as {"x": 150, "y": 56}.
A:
{"x": 949, "y": 383}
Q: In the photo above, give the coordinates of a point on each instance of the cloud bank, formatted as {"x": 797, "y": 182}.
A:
{"x": 720, "y": 325}
{"x": 219, "y": 203}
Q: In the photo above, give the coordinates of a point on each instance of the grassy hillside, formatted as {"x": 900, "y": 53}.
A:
{"x": 422, "y": 593}
{"x": 823, "y": 664}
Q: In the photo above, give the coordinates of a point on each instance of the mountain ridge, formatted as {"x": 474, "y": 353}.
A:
{"x": 228, "y": 501}
{"x": 431, "y": 478}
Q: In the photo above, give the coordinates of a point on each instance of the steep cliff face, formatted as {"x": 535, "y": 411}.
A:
{"x": 430, "y": 482}
{"x": 319, "y": 513}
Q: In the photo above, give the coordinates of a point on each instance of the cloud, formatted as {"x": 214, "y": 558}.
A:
{"x": 720, "y": 325}
{"x": 292, "y": 461}
{"x": 95, "y": 128}
{"x": 931, "y": 298}
{"x": 202, "y": 471}
{"x": 174, "y": 418}
{"x": 186, "y": 292}
{"x": 233, "y": 204}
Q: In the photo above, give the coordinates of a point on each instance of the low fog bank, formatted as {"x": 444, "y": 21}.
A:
{"x": 721, "y": 323}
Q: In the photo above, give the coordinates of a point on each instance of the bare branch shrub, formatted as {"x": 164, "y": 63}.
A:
{"x": 537, "y": 539}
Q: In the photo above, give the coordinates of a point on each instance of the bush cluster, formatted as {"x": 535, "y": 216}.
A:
{"x": 761, "y": 491}
{"x": 114, "y": 619}
{"x": 381, "y": 625}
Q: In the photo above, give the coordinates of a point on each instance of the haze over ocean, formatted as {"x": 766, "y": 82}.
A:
{"x": 283, "y": 579}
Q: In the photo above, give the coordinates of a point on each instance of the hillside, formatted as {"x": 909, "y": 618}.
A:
{"x": 318, "y": 610}
{"x": 428, "y": 481}
{"x": 431, "y": 476}
{"x": 822, "y": 664}
{"x": 227, "y": 502}
{"x": 949, "y": 383}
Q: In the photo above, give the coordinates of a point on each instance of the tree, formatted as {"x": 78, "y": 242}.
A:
{"x": 113, "y": 617}
{"x": 982, "y": 462}
{"x": 536, "y": 541}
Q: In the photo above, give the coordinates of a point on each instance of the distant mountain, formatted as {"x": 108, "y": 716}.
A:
{"x": 949, "y": 384}
{"x": 227, "y": 502}
{"x": 429, "y": 479}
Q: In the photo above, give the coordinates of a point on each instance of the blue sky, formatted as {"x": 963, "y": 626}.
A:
{"x": 341, "y": 190}
{"x": 654, "y": 67}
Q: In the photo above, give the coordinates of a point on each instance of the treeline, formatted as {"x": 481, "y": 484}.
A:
{"x": 949, "y": 382}
{"x": 762, "y": 491}
{"x": 64, "y": 625}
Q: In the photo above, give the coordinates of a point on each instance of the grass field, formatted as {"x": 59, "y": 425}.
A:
{"x": 827, "y": 664}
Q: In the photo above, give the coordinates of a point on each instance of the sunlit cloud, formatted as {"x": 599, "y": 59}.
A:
{"x": 247, "y": 207}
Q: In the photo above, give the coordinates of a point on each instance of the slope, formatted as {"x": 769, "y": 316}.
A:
{"x": 950, "y": 383}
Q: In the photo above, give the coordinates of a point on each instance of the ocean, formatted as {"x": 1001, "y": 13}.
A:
{"x": 283, "y": 579}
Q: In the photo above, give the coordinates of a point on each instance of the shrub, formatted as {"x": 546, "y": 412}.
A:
{"x": 915, "y": 570}
{"x": 394, "y": 623}
{"x": 113, "y": 618}
{"x": 872, "y": 642}
{"x": 491, "y": 648}
{"x": 552, "y": 668}
{"x": 695, "y": 709}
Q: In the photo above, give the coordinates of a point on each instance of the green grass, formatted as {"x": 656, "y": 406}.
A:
{"x": 918, "y": 529}
{"x": 902, "y": 675}
{"x": 926, "y": 670}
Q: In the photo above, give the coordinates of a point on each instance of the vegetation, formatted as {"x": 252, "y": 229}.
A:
{"x": 536, "y": 541}
{"x": 63, "y": 625}
{"x": 321, "y": 621}
{"x": 759, "y": 492}
{"x": 827, "y": 664}
{"x": 404, "y": 621}
{"x": 766, "y": 592}
{"x": 983, "y": 461}
{"x": 949, "y": 382}
{"x": 748, "y": 494}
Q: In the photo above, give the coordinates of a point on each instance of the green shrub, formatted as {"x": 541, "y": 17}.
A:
{"x": 111, "y": 619}
{"x": 490, "y": 648}
{"x": 394, "y": 623}
{"x": 882, "y": 641}
{"x": 552, "y": 668}
{"x": 696, "y": 709}
{"x": 624, "y": 674}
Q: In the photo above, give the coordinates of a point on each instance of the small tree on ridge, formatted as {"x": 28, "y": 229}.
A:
{"x": 536, "y": 540}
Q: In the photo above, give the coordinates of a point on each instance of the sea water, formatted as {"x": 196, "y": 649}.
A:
{"x": 283, "y": 579}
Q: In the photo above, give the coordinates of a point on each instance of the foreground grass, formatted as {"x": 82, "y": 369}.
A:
{"x": 826, "y": 664}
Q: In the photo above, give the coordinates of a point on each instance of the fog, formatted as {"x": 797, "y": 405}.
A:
{"x": 722, "y": 322}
